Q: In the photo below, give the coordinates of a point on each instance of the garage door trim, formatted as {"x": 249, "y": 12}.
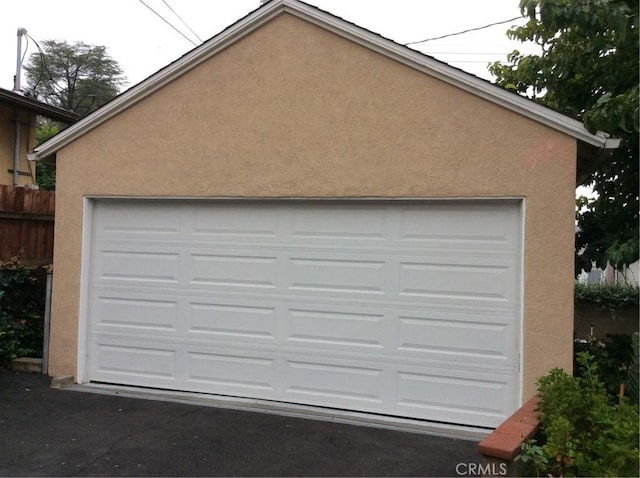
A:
{"x": 90, "y": 201}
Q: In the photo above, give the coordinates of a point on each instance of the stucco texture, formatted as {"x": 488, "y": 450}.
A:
{"x": 293, "y": 110}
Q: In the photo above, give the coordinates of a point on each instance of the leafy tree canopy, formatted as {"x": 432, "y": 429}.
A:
{"x": 588, "y": 69}
{"x": 77, "y": 77}
{"x": 45, "y": 173}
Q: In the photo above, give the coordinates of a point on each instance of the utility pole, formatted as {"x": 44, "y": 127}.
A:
{"x": 16, "y": 79}
{"x": 16, "y": 130}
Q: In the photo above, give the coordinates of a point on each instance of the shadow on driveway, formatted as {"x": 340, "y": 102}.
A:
{"x": 51, "y": 432}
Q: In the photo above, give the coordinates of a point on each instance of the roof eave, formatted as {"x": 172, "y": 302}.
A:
{"x": 37, "y": 107}
{"x": 590, "y": 157}
{"x": 373, "y": 41}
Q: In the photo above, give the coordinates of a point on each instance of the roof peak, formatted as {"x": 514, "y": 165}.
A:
{"x": 373, "y": 41}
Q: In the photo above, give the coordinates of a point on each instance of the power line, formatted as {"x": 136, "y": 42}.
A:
{"x": 183, "y": 22}
{"x": 168, "y": 23}
{"x": 44, "y": 66}
{"x": 463, "y": 31}
{"x": 26, "y": 47}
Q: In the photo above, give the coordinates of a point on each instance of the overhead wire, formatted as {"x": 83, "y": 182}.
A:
{"x": 44, "y": 66}
{"x": 26, "y": 47}
{"x": 54, "y": 89}
{"x": 43, "y": 62}
{"x": 169, "y": 23}
{"x": 463, "y": 31}
{"x": 183, "y": 22}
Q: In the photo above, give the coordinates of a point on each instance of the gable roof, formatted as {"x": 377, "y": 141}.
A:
{"x": 593, "y": 145}
{"x": 37, "y": 107}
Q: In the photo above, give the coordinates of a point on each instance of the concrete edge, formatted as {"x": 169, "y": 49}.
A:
{"x": 64, "y": 381}
{"x": 291, "y": 410}
{"x": 27, "y": 365}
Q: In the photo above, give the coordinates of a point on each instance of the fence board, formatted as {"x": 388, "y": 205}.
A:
{"x": 26, "y": 224}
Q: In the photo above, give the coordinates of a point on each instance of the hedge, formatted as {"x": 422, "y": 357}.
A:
{"x": 22, "y": 305}
{"x": 607, "y": 296}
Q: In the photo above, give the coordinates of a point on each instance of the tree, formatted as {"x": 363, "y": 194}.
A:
{"x": 46, "y": 173}
{"x": 588, "y": 69}
{"x": 77, "y": 77}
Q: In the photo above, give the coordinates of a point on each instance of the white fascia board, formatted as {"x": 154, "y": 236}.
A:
{"x": 361, "y": 36}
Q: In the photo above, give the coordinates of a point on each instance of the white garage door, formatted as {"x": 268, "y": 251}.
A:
{"x": 401, "y": 308}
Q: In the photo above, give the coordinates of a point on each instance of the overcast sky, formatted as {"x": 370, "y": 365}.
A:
{"x": 142, "y": 43}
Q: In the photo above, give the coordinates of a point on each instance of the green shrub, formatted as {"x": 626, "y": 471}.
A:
{"x": 22, "y": 303}
{"x": 613, "y": 356}
{"x": 634, "y": 371}
{"x": 584, "y": 434}
{"x": 607, "y": 296}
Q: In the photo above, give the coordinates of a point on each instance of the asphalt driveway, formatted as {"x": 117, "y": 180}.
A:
{"x": 53, "y": 432}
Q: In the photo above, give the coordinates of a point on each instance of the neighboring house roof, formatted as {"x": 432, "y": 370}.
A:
{"x": 591, "y": 148}
{"x": 37, "y": 107}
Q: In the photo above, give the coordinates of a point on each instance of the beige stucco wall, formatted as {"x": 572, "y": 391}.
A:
{"x": 27, "y": 142}
{"x": 296, "y": 111}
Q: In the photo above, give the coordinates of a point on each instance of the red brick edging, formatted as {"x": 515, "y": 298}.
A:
{"x": 504, "y": 442}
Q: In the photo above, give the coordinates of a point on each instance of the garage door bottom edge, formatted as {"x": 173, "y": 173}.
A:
{"x": 289, "y": 409}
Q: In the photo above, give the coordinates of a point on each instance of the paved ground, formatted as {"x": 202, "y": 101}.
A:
{"x": 49, "y": 432}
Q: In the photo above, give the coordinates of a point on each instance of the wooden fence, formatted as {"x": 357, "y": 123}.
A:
{"x": 26, "y": 225}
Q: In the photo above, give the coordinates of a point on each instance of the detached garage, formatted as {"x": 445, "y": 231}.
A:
{"x": 303, "y": 212}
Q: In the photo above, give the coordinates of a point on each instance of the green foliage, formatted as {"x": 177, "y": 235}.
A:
{"x": 77, "y": 77}
{"x": 607, "y": 296}
{"x": 613, "y": 357}
{"x": 46, "y": 129}
{"x": 585, "y": 435}
{"x": 46, "y": 176}
{"x": 634, "y": 371}
{"x": 46, "y": 173}
{"x": 533, "y": 456}
{"x": 22, "y": 301}
{"x": 588, "y": 69}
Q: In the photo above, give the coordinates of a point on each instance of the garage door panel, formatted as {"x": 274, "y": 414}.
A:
{"x": 224, "y": 319}
{"x": 135, "y": 314}
{"x": 400, "y": 308}
{"x": 482, "y": 226}
{"x": 134, "y": 363}
{"x": 235, "y": 222}
{"x": 114, "y": 265}
{"x": 232, "y": 373}
{"x": 333, "y": 383}
{"x": 334, "y": 274}
{"x": 121, "y": 222}
{"x": 460, "y": 278}
{"x": 234, "y": 269}
{"x": 347, "y": 224}
{"x": 336, "y": 330}
{"x": 454, "y": 339}
{"x": 448, "y": 393}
